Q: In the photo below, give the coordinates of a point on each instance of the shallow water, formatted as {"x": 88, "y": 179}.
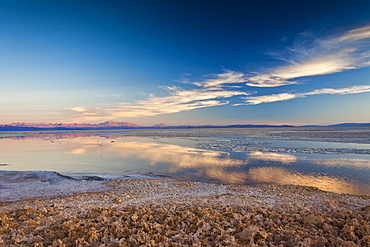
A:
{"x": 115, "y": 153}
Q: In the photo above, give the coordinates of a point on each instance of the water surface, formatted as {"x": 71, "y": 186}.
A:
{"x": 114, "y": 153}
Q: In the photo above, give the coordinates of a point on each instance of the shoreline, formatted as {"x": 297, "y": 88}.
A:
{"x": 32, "y": 185}
{"x": 154, "y": 211}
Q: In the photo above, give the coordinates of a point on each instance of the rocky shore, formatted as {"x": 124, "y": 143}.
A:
{"x": 165, "y": 212}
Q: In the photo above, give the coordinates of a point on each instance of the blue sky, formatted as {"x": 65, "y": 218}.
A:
{"x": 185, "y": 62}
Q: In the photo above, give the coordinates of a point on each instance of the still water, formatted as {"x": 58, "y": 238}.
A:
{"x": 190, "y": 159}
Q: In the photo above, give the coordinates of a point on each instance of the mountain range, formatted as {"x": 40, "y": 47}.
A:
{"x": 113, "y": 125}
{"x": 108, "y": 125}
{"x": 74, "y": 126}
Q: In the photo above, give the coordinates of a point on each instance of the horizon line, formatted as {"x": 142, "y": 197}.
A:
{"x": 120, "y": 125}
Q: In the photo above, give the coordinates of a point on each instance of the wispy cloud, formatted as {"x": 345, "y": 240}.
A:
{"x": 178, "y": 100}
{"x": 229, "y": 77}
{"x": 268, "y": 98}
{"x": 348, "y": 90}
{"x": 78, "y": 109}
{"x": 326, "y": 56}
{"x": 356, "y": 34}
{"x": 287, "y": 96}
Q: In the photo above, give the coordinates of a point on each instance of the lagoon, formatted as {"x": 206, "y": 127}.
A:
{"x": 223, "y": 156}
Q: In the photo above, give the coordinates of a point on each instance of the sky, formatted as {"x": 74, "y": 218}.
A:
{"x": 190, "y": 62}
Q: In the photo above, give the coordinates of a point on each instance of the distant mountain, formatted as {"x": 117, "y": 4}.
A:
{"x": 68, "y": 126}
{"x": 160, "y": 125}
{"x": 350, "y": 125}
{"x": 256, "y": 126}
{"x": 163, "y": 126}
{"x": 109, "y": 125}
{"x": 340, "y": 125}
{"x": 112, "y": 124}
{"x": 115, "y": 125}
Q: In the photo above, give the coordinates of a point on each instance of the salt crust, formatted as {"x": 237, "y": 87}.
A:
{"x": 141, "y": 192}
{"x": 165, "y": 212}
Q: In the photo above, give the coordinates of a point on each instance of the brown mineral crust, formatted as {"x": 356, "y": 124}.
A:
{"x": 157, "y": 212}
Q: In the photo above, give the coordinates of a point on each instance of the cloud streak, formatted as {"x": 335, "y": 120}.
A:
{"x": 349, "y": 90}
{"x": 178, "y": 100}
{"x": 288, "y": 96}
{"x": 268, "y": 98}
{"x": 348, "y": 51}
{"x": 229, "y": 77}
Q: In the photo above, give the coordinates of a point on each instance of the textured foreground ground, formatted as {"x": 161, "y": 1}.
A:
{"x": 159, "y": 212}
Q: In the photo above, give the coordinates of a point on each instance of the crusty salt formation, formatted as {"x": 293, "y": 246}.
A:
{"x": 189, "y": 214}
{"x": 182, "y": 225}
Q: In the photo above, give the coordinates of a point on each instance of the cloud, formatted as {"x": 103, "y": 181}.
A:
{"x": 178, "y": 100}
{"x": 349, "y": 90}
{"x": 268, "y": 98}
{"x": 287, "y": 96}
{"x": 78, "y": 109}
{"x": 229, "y": 77}
{"x": 356, "y": 34}
{"x": 180, "y": 96}
{"x": 349, "y": 51}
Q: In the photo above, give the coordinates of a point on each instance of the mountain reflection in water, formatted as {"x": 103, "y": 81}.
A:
{"x": 178, "y": 157}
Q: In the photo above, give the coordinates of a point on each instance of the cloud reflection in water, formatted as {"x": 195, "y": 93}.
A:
{"x": 218, "y": 164}
{"x": 283, "y": 158}
{"x": 282, "y": 176}
{"x": 212, "y": 162}
{"x": 353, "y": 163}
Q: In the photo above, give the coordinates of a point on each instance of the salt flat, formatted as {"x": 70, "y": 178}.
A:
{"x": 165, "y": 212}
